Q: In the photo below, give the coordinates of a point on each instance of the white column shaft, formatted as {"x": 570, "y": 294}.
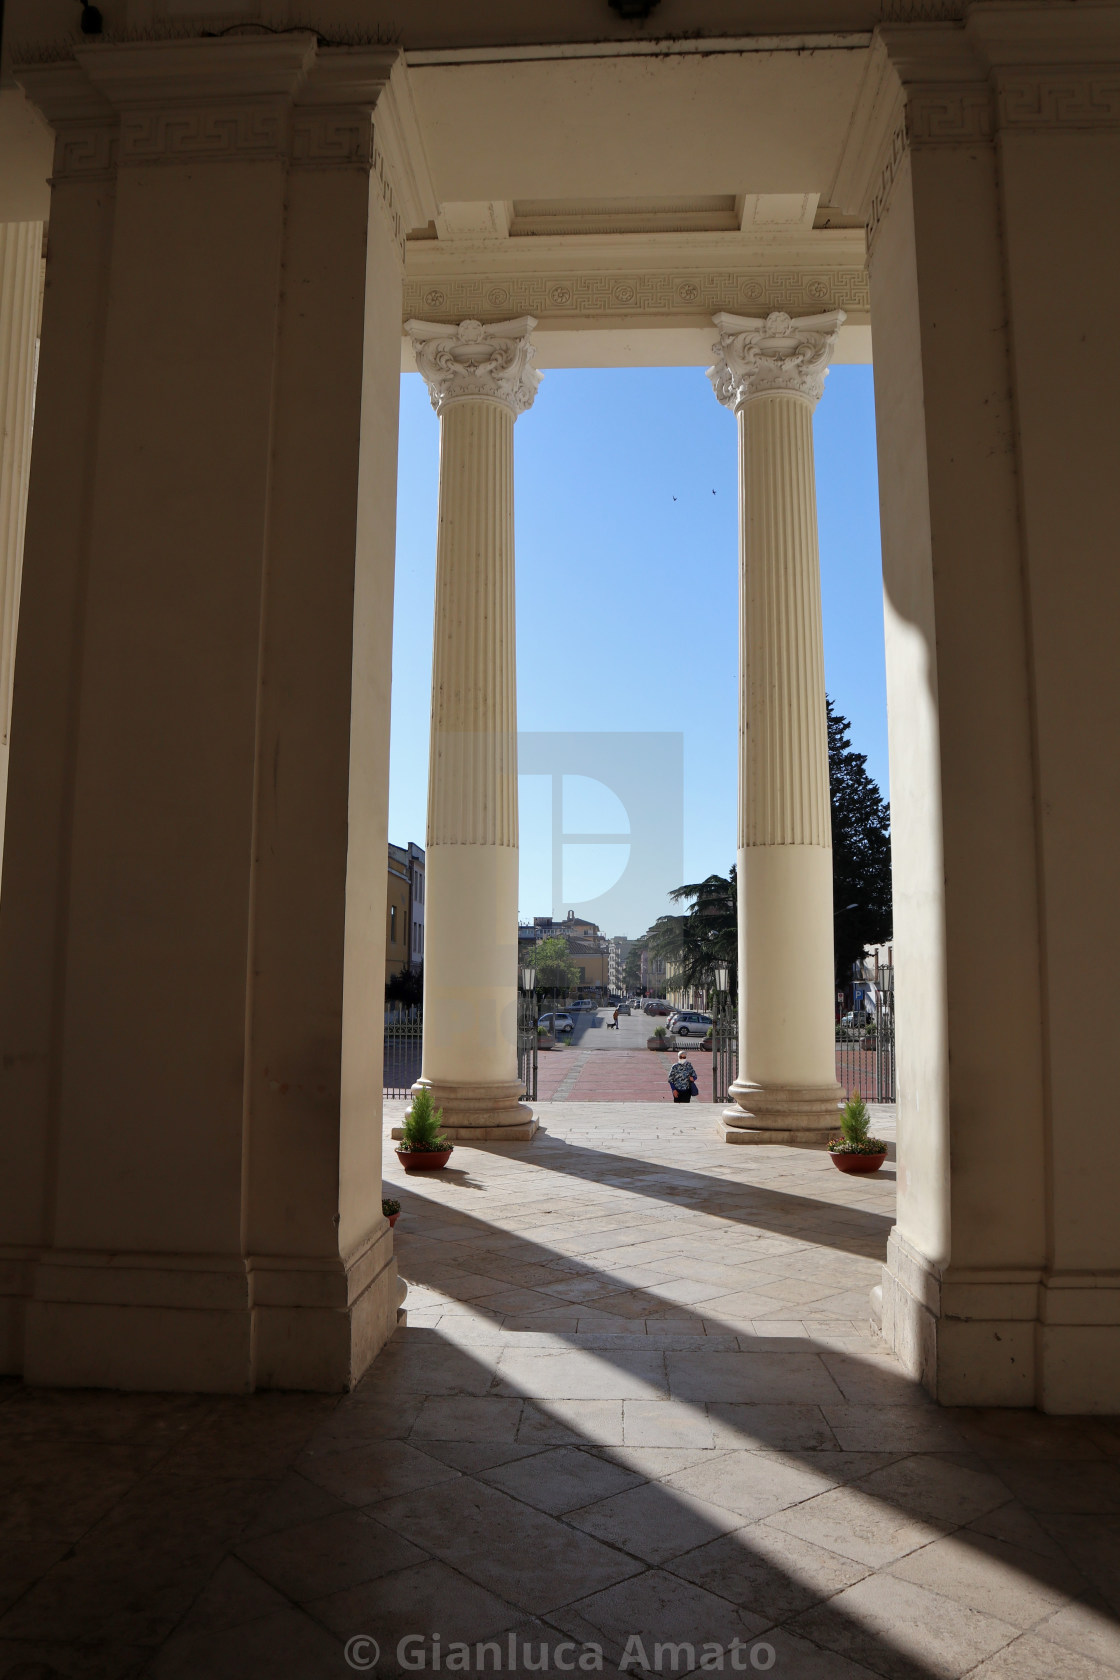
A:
{"x": 480, "y": 379}
{"x": 21, "y": 253}
{"x": 771, "y": 373}
{"x": 785, "y": 835}
{"x": 470, "y": 1002}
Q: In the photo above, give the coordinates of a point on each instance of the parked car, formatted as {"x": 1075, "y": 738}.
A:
{"x": 623, "y": 1008}
{"x": 854, "y": 1024}
{"x": 560, "y": 1022}
{"x": 582, "y": 1005}
{"x": 658, "y": 1006}
{"x": 690, "y": 1023}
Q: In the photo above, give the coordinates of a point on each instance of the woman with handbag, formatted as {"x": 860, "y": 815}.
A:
{"x": 682, "y": 1079}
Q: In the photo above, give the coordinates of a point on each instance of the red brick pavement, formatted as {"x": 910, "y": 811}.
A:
{"x": 642, "y": 1075}
{"x": 617, "y": 1075}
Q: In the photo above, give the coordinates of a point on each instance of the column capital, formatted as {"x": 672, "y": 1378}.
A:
{"x": 472, "y": 360}
{"x": 779, "y": 353}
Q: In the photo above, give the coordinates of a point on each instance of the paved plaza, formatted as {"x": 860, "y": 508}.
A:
{"x": 637, "y": 1399}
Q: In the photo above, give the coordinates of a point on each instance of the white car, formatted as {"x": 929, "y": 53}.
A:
{"x": 690, "y": 1023}
{"x": 558, "y": 1023}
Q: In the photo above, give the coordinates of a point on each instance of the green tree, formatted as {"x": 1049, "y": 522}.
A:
{"x": 861, "y": 851}
{"x": 555, "y": 969}
{"x": 407, "y": 987}
{"x": 632, "y": 973}
{"x": 706, "y": 934}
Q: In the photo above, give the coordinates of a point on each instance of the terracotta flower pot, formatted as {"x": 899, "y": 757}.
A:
{"x": 857, "y": 1163}
{"x": 423, "y": 1160}
{"x": 393, "y": 1217}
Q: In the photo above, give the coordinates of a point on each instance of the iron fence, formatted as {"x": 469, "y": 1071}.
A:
{"x": 404, "y": 1046}
{"x": 404, "y": 1038}
{"x": 725, "y": 1049}
{"x": 527, "y": 1045}
{"x": 865, "y": 1043}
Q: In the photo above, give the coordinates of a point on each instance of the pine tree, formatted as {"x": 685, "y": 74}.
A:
{"x": 861, "y": 852}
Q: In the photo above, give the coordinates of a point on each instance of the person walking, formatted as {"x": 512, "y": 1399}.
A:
{"x": 614, "y": 1018}
{"x": 682, "y": 1079}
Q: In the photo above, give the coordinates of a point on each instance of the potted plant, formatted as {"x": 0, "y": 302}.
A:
{"x": 545, "y": 1039}
{"x": 423, "y": 1147}
{"x": 659, "y": 1041}
{"x": 856, "y": 1151}
{"x": 391, "y": 1209}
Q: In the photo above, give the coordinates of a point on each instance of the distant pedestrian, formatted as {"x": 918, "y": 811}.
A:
{"x": 682, "y": 1079}
{"x": 614, "y": 1018}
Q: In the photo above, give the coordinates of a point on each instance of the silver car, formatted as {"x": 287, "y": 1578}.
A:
{"x": 554, "y": 1024}
{"x": 690, "y": 1023}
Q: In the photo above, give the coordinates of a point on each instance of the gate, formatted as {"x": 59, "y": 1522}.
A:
{"x": 527, "y": 1045}
{"x": 725, "y": 1049}
{"x": 865, "y": 1047}
{"x": 404, "y": 1039}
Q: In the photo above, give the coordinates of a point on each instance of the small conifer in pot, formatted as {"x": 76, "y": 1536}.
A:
{"x": 856, "y": 1150}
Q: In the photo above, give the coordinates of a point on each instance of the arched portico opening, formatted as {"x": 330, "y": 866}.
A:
{"x": 199, "y": 744}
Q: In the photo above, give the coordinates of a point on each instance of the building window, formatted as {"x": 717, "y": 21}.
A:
{"x": 393, "y": 924}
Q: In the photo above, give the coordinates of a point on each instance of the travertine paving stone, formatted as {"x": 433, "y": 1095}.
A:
{"x": 637, "y": 1395}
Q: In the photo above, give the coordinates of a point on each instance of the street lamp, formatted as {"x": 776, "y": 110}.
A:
{"x": 528, "y": 977}
{"x": 722, "y": 974}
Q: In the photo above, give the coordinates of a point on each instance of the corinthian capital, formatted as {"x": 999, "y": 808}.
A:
{"x": 778, "y": 354}
{"x": 471, "y": 360}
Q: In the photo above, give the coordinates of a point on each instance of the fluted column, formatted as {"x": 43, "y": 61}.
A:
{"x": 21, "y": 257}
{"x": 480, "y": 380}
{"x": 771, "y": 374}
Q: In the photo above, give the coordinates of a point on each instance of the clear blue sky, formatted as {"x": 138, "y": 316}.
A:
{"x": 626, "y": 599}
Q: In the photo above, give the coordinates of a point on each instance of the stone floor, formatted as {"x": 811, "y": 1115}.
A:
{"x": 637, "y": 1405}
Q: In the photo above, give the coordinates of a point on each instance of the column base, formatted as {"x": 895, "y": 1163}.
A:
{"x": 478, "y": 1113}
{"x": 1003, "y": 1336}
{"x": 804, "y": 1116}
{"x": 212, "y": 1324}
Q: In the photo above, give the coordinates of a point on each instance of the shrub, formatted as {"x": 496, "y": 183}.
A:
{"x": 421, "y": 1129}
{"x": 855, "y": 1122}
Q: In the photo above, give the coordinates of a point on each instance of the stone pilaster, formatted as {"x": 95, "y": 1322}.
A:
{"x": 480, "y": 379}
{"x": 21, "y": 258}
{"x": 194, "y": 868}
{"x": 771, "y": 374}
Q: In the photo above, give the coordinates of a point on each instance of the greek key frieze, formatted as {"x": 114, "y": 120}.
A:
{"x": 1066, "y": 99}
{"x": 329, "y": 139}
{"x": 84, "y": 152}
{"x": 205, "y": 133}
{"x": 600, "y": 296}
{"x": 942, "y": 116}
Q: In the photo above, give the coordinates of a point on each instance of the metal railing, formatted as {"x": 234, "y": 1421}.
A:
{"x": 404, "y": 1048}
{"x": 527, "y": 1045}
{"x": 404, "y": 1039}
{"x": 725, "y": 1049}
{"x": 865, "y": 1042}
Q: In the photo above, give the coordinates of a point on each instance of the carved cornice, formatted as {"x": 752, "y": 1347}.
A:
{"x": 684, "y": 295}
{"x": 84, "y": 123}
{"x": 755, "y": 357}
{"x": 476, "y": 361}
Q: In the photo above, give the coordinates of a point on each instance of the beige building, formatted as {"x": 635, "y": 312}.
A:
{"x": 250, "y": 233}
{"x": 397, "y": 912}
